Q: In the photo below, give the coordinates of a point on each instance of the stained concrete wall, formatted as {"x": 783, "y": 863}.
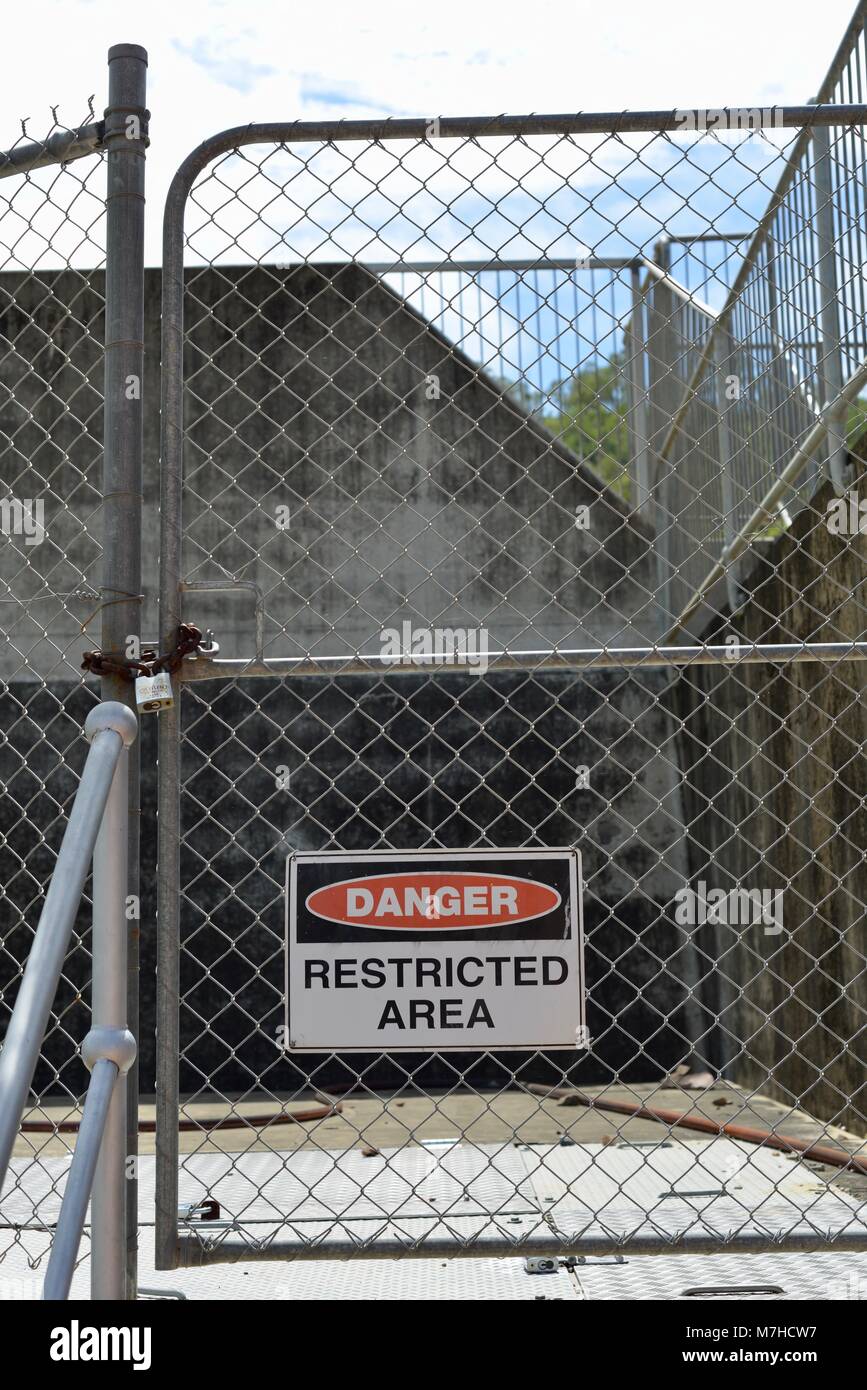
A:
{"x": 774, "y": 795}
{"x": 310, "y": 389}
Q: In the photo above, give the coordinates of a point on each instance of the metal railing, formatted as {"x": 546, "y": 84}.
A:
{"x": 791, "y": 335}
{"x": 98, "y": 829}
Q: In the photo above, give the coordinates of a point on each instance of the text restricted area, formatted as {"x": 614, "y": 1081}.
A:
{"x": 434, "y": 950}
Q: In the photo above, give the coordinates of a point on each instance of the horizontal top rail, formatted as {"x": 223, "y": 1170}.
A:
{"x": 567, "y": 123}
{"x": 478, "y": 127}
{"x": 546, "y": 658}
{"x": 541, "y": 262}
{"x": 59, "y": 148}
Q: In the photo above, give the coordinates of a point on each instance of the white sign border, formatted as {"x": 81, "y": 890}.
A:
{"x": 454, "y": 856}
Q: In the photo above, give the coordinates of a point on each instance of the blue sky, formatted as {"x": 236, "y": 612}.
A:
{"x": 218, "y": 63}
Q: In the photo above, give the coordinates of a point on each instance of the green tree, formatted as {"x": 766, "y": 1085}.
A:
{"x": 591, "y": 421}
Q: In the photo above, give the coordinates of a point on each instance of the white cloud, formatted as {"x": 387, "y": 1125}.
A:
{"x": 219, "y": 63}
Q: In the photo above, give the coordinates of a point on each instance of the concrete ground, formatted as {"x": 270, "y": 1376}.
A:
{"x": 372, "y": 1138}
{"x": 379, "y": 1120}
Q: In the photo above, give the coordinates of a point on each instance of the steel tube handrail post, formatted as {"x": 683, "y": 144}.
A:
{"x": 109, "y": 1038}
{"x": 662, "y": 386}
{"x": 636, "y": 358}
{"x": 830, "y": 364}
{"x": 101, "y": 1093}
{"x": 109, "y": 727}
{"x": 724, "y": 353}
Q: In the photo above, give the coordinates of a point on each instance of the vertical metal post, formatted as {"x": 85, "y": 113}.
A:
{"x": 784, "y": 383}
{"x": 830, "y": 363}
{"x": 636, "y": 348}
{"x": 101, "y": 1093}
{"x": 169, "y": 797}
{"x": 662, "y": 341}
{"x": 780, "y": 396}
{"x": 26, "y": 1029}
{"x": 126, "y": 140}
{"x": 108, "y": 1251}
{"x": 723, "y": 352}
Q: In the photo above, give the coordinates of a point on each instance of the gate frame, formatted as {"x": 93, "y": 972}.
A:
{"x": 172, "y": 1249}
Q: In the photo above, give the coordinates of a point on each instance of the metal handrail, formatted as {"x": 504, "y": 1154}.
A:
{"x": 79, "y": 1184}
{"x": 97, "y": 829}
{"x": 664, "y": 277}
{"x": 829, "y": 418}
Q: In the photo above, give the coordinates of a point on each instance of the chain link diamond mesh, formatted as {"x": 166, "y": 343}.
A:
{"x": 429, "y": 385}
{"x": 51, "y": 361}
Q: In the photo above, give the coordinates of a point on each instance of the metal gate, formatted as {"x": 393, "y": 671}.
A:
{"x": 512, "y": 468}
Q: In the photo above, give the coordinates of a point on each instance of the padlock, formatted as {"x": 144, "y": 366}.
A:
{"x": 153, "y": 692}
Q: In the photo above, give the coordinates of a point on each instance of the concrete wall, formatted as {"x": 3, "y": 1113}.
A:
{"x": 416, "y": 489}
{"x": 310, "y": 389}
{"x": 774, "y": 794}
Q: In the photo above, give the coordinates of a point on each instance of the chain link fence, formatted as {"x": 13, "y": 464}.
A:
{"x": 52, "y": 293}
{"x": 464, "y": 422}
{"x": 418, "y": 380}
{"x": 747, "y": 389}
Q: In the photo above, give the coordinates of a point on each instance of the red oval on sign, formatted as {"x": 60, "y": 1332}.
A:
{"x": 433, "y": 900}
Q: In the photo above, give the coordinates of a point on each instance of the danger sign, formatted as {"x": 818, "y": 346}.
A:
{"x": 434, "y": 950}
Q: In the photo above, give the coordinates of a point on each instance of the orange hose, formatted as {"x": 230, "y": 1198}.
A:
{"x": 283, "y": 1117}
{"x": 821, "y": 1153}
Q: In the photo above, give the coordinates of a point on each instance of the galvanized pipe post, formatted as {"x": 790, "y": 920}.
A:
{"x": 103, "y": 1089}
{"x": 724, "y": 355}
{"x": 126, "y": 140}
{"x": 108, "y": 727}
{"x": 110, "y": 1037}
{"x": 169, "y": 822}
{"x": 636, "y": 354}
{"x": 662, "y": 350}
{"x": 830, "y": 363}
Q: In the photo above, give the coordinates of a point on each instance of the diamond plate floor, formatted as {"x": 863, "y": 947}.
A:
{"x": 673, "y": 1186}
